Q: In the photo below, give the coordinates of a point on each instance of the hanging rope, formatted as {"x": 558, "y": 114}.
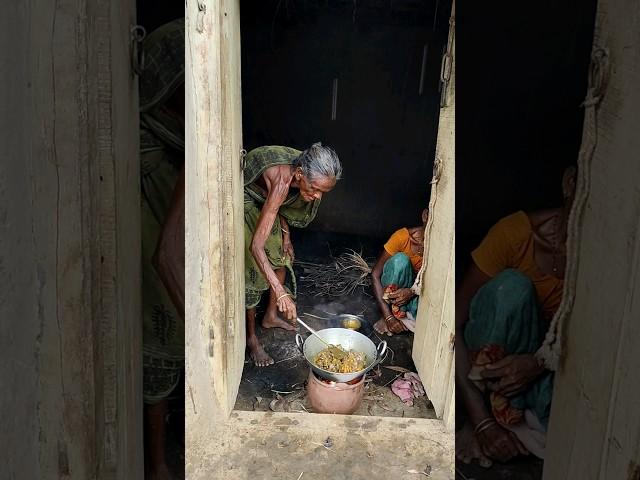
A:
{"x": 551, "y": 350}
{"x": 437, "y": 168}
{"x": 437, "y": 164}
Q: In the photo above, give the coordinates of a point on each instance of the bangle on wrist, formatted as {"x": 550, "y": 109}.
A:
{"x": 486, "y": 427}
{"x": 282, "y": 296}
{"x": 484, "y": 424}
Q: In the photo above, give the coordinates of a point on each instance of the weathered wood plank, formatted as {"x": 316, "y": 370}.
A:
{"x": 215, "y": 330}
{"x": 69, "y": 309}
{"x": 233, "y": 219}
{"x": 594, "y": 429}
{"x": 433, "y": 347}
{"x": 128, "y": 300}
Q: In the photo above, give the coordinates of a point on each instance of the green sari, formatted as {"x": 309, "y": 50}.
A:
{"x": 161, "y": 159}
{"x": 294, "y": 210}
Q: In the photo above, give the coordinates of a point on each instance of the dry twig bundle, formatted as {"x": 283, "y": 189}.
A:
{"x": 338, "y": 278}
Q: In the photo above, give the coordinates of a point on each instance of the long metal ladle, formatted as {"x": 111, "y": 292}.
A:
{"x": 335, "y": 351}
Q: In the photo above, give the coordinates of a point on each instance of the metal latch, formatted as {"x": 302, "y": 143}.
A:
{"x": 437, "y": 171}
{"x": 447, "y": 62}
{"x": 137, "y": 53}
{"x": 243, "y": 163}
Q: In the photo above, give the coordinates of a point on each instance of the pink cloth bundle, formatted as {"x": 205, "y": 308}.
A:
{"x": 408, "y": 387}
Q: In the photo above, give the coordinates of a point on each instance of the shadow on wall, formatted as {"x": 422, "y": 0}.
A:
{"x": 384, "y": 130}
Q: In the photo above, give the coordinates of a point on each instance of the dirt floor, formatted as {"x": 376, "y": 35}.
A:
{"x": 280, "y": 387}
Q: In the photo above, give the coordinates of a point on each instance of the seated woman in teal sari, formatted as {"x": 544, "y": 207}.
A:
{"x": 393, "y": 278}
{"x": 504, "y": 305}
{"x": 283, "y": 187}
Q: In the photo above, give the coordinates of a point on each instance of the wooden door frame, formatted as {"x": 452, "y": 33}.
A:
{"x": 214, "y": 223}
{"x": 214, "y": 219}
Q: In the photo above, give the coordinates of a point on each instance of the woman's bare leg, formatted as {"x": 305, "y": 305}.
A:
{"x": 256, "y": 352}
{"x": 271, "y": 318}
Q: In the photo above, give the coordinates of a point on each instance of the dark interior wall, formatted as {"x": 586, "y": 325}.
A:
{"x": 384, "y": 132}
{"x": 522, "y": 75}
{"x": 152, "y": 14}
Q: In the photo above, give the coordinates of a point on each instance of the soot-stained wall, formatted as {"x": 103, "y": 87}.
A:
{"x": 522, "y": 76}
{"x": 384, "y": 131}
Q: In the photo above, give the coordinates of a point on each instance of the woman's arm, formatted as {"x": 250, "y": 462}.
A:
{"x": 393, "y": 324}
{"x": 287, "y": 246}
{"x": 376, "y": 276}
{"x": 277, "y": 189}
{"x": 168, "y": 258}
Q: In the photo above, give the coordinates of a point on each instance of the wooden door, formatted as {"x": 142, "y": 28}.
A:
{"x": 594, "y": 428}
{"x": 214, "y": 272}
{"x": 71, "y": 332}
{"x": 435, "y": 326}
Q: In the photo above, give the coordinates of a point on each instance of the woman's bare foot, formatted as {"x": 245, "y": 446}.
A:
{"x": 258, "y": 355}
{"x": 161, "y": 472}
{"x": 272, "y": 320}
{"x": 381, "y": 327}
{"x": 468, "y": 448}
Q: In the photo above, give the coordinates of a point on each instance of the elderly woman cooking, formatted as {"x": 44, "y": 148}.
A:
{"x": 283, "y": 187}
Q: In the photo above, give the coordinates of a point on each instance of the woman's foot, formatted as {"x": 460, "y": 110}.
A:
{"x": 381, "y": 327}
{"x": 272, "y": 320}
{"x": 258, "y": 355}
{"x": 468, "y": 448}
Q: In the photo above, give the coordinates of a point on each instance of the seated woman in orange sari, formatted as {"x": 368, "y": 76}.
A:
{"x": 393, "y": 278}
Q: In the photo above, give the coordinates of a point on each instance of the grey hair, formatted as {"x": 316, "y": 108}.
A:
{"x": 319, "y": 161}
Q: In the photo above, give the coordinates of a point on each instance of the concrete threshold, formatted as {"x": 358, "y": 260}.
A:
{"x": 300, "y": 446}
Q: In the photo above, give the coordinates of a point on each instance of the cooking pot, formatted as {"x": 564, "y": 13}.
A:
{"x": 348, "y": 340}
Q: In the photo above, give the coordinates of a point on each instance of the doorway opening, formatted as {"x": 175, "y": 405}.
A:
{"x": 363, "y": 78}
{"x": 521, "y": 133}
